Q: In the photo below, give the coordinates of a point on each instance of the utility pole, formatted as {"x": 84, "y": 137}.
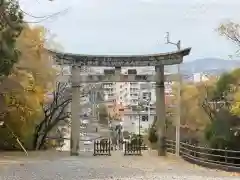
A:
{"x": 178, "y": 119}
{"x": 139, "y": 116}
{"x": 93, "y": 96}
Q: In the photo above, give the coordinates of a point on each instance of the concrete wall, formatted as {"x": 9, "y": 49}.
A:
{"x": 131, "y": 123}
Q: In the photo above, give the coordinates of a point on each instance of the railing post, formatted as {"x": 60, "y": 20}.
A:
{"x": 109, "y": 147}
{"x": 226, "y": 155}
{"x": 104, "y": 147}
{"x": 98, "y": 147}
{"x": 180, "y": 149}
{"x": 140, "y": 146}
{"x": 94, "y": 148}
{"x": 125, "y": 149}
{"x": 194, "y": 150}
{"x": 173, "y": 147}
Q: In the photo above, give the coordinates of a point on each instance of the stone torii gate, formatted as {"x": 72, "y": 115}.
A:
{"x": 76, "y": 61}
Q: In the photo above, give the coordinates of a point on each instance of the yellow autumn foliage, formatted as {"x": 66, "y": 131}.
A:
{"x": 235, "y": 108}
{"x": 36, "y": 75}
{"x": 192, "y": 95}
{"x": 36, "y": 59}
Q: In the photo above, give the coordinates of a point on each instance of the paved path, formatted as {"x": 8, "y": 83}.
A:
{"x": 59, "y": 166}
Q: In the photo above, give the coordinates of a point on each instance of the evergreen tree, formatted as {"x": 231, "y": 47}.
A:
{"x": 11, "y": 24}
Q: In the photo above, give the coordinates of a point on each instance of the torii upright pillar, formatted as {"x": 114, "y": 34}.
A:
{"x": 160, "y": 110}
{"x": 75, "y": 111}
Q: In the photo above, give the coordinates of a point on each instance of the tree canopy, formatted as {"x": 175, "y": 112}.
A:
{"x": 11, "y": 24}
{"x": 26, "y": 74}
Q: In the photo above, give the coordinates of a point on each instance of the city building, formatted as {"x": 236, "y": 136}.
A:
{"x": 200, "y": 77}
{"x": 124, "y": 99}
{"x": 196, "y": 77}
{"x": 128, "y": 97}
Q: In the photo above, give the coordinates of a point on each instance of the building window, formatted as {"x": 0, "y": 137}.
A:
{"x": 147, "y": 95}
{"x": 144, "y": 118}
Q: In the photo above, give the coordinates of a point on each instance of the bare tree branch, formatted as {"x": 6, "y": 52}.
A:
{"x": 54, "y": 113}
{"x": 231, "y": 31}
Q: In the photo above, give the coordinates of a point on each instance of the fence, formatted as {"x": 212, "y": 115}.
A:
{"x": 144, "y": 147}
{"x": 224, "y": 159}
{"x": 101, "y": 148}
{"x": 131, "y": 148}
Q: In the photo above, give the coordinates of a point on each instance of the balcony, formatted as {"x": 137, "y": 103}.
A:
{"x": 134, "y": 90}
{"x": 134, "y": 98}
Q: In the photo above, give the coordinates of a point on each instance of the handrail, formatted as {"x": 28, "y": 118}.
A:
{"x": 221, "y": 158}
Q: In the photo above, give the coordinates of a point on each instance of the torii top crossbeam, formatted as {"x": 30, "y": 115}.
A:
{"x": 169, "y": 58}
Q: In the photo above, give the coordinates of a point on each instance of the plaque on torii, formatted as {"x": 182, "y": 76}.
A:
{"x": 111, "y": 75}
{"x": 158, "y": 59}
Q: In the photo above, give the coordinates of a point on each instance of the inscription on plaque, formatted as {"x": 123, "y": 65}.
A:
{"x": 120, "y": 61}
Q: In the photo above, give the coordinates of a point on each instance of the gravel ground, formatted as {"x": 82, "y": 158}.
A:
{"x": 59, "y": 166}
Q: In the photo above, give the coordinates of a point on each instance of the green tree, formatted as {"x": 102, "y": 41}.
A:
{"x": 102, "y": 114}
{"x": 22, "y": 93}
{"x": 11, "y": 24}
{"x": 219, "y": 106}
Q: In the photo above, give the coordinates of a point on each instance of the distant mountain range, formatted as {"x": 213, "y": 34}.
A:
{"x": 211, "y": 66}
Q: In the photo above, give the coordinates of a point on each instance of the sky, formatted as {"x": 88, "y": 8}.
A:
{"x": 137, "y": 26}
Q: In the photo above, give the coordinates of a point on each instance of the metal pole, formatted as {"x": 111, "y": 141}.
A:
{"x": 178, "y": 119}
{"x": 93, "y": 94}
{"x": 178, "y": 123}
{"x": 149, "y": 111}
{"x": 139, "y": 124}
{"x": 95, "y": 104}
{"x": 139, "y": 116}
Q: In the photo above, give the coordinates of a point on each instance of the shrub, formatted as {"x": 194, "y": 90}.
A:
{"x": 152, "y": 136}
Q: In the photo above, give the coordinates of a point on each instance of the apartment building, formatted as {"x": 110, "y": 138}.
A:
{"x": 110, "y": 91}
{"x": 127, "y": 96}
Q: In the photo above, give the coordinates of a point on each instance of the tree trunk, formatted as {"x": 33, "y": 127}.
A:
{"x": 35, "y": 138}
{"x": 43, "y": 134}
{"x": 42, "y": 141}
